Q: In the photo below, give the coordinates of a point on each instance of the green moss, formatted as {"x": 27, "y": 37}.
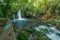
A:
{"x": 44, "y": 29}
{"x": 58, "y": 26}
{"x": 40, "y": 36}
{"x": 58, "y": 34}
{"x": 23, "y": 35}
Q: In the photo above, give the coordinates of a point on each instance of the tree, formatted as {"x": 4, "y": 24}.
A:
{"x": 9, "y": 6}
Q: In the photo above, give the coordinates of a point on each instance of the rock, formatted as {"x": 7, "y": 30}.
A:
{"x": 30, "y": 37}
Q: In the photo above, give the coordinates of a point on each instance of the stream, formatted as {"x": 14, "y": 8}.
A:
{"x": 50, "y": 31}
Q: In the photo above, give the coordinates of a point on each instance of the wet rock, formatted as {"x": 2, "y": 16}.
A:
{"x": 30, "y": 37}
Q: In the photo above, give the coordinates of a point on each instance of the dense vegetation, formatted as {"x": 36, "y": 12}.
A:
{"x": 31, "y": 34}
{"x": 46, "y": 10}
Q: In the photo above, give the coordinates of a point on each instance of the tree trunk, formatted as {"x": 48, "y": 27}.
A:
{"x": 6, "y": 9}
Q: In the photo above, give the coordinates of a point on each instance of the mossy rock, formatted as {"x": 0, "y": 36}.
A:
{"x": 58, "y": 26}
{"x": 44, "y": 30}
{"x": 58, "y": 34}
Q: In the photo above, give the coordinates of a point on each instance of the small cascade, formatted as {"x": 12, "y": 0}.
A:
{"x": 51, "y": 33}
{"x": 19, "y": 16}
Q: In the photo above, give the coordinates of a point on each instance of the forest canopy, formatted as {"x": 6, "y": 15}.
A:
{"x": 30, "y": 8}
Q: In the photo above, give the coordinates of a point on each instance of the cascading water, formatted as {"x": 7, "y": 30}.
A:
{"x": 19, "y": 16}
{"x": 50, "y": 34}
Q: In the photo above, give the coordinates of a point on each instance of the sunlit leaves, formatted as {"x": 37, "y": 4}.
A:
{"x": 57, "y": 19}
{"x": 14, "y": 6}
{"x": 31, "y": 6}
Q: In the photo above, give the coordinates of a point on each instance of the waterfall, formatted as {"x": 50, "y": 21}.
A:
{"x": 19, "y": 14}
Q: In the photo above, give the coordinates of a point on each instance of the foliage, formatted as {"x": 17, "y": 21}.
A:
{"x": 24, "y": 34}
{"x": 8, "y": 7}
{"x": 46, "y": 10}
{"x": 30, "y": 7}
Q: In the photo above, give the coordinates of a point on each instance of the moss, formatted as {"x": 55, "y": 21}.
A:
{"x": 44, "y": 29}
{"x": 23, "y": 35}
{"x": 58, "y": 26}
{"x": 58, "y": 34}
{"x": 41, "y": 36}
